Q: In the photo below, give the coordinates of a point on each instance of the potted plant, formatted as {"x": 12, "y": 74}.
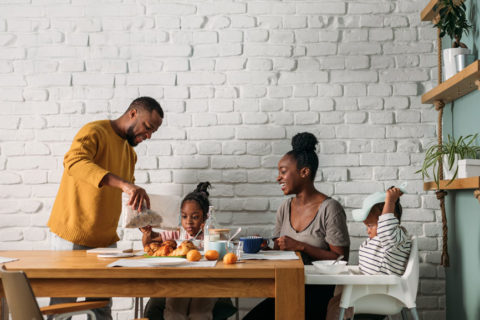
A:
{"x": 456, "y": 156}
{"x": 452, "y": 21}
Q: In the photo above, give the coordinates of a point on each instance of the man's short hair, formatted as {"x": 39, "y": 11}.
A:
{"x": 147, "y": 103}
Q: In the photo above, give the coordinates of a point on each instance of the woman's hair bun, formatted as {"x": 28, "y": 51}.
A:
{"x": 203, "y": 187}
{"x": 304, "y": 141}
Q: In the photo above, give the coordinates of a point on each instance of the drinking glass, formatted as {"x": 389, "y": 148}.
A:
{"x": 236, "y": 248}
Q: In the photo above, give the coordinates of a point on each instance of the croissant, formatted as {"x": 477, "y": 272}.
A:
{"x": 180, "y": 251}
{"x": 171, "y": 243}
{"x": 164, "y": 251}
{"x": 187, "y": 244}
{"x": 155, "y": 254}
{"x": 154, "y": 246}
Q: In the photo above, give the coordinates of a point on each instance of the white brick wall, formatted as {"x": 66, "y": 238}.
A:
{"x": 237, "y": 80}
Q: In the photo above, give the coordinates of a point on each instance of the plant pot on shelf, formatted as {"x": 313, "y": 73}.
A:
{"x": 449, "y": 170}
{"x": 455, "y": 60}
{"x": 465, "y": 168}
{"x": 468, "y": 168}
{"x": 449, "y": 153}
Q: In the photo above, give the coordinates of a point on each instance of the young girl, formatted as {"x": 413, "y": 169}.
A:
{"x": 194, "y": 210}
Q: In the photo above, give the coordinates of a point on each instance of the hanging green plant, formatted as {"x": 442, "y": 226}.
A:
{"x": 453, "y": 20}
{"x": 448, "y": 152}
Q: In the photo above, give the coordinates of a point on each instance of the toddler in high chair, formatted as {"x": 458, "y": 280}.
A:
{"x": 387, "y": 249}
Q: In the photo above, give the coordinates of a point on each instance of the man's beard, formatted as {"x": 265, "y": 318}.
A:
{"x": 130, "y": 136}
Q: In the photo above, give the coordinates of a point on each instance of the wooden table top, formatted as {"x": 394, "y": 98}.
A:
{"x": 79, "y": 264}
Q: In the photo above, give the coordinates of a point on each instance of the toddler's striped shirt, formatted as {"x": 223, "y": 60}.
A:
{"x": 388, "y": 251}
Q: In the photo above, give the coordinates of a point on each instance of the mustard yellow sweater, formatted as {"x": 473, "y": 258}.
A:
{"x": 84, "y": 213}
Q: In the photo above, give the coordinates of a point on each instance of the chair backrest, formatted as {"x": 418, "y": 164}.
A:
{"x": 410, "y": 277}
{"x": 20, "y": 298}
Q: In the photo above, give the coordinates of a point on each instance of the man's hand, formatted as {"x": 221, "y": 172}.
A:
{"x": 287, "y": 243}
{"x": 138, "y": 196}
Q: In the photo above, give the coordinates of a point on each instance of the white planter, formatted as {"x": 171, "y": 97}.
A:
{"x": 466, "y": 168}
{"x": 450, "y": 67}
{"x": 448, "y": 174}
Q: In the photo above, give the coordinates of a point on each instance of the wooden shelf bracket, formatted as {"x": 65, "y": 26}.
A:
{"x": 476, "y": 194}
{"x": 477, "y": 83}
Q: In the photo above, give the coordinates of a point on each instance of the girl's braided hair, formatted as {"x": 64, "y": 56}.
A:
{"x": 303, "y": 150}
{"x": 200, "y": 195}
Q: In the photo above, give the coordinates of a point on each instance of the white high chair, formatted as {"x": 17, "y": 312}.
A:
{"x": 387, "y": 299}
{"x": 374, "y": 294}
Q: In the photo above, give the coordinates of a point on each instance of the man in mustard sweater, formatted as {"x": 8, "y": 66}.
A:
{"x": 98, "y": 167}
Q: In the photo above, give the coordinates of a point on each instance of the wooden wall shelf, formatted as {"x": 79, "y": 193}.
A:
{"x": 457, "y": 184}
{"x": 428, "y": 13}
{"x": 456, "y": 86}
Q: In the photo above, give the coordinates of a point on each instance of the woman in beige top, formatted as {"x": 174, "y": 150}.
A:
{"x": 310, "y": 222}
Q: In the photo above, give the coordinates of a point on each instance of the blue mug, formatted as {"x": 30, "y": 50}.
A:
{"x": 251, "y": 244}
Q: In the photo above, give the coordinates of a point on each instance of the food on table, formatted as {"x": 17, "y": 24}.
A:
{"x": 188, "y": 244}
{"x": 211, "y": 255}
{"x": 164, "y": 251}
{"x": 169, "y": 248}
{"x": 230, "y": 258}
{"x": 171, "y": 243}
{"x": 193, "y": 255}
{"x": 180, "y": 251}
{"x": 155, "y": 245}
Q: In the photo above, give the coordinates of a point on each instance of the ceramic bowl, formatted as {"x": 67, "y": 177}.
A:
{"x": 251, "y": 244}
{"x": 327, "y": 266}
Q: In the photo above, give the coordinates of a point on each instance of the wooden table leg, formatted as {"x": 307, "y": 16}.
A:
{"x": 3, "y": 309}
{"x": 289, "y": 294}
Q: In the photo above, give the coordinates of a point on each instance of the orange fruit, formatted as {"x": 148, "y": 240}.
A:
{"x": 193, "y": 255}
{"x": 230, "y": 258}
{"x": 211, "y": 255}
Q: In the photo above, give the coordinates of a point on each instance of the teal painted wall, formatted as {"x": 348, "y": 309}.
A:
{"x": 463, "y": 210}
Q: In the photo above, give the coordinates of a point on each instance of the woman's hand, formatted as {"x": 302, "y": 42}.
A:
{"x": 287, "y": 243}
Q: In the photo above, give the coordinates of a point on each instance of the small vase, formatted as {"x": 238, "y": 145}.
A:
{"x": 449, "y": 61}
{"x": 463, "y": 61}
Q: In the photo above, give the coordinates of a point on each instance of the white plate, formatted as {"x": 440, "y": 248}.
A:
{"x": 164, "y": 261}
{"x": 115, "y": 255}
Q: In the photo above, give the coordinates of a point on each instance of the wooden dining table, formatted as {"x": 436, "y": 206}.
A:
{"x": 80, "y": 274}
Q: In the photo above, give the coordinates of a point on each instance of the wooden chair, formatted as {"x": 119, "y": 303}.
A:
{"x": 23, "y": 305}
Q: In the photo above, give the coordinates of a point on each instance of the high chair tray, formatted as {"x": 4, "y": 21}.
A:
{"x": 352, "y": 277}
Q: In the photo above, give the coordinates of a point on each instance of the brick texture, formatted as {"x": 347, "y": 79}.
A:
{"x": 237, "y": 80}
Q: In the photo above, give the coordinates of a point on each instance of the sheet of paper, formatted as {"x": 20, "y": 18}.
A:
{"x": 132, "y": 263}
{"x": 109, "y": 250}
{"x": 5, "y": 259}
{"x": 199, "y": 264}
{"x": 270, "y": 255}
